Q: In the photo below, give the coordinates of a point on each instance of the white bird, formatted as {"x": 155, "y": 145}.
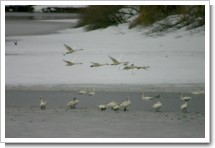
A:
{"x": 111, "y": 104}
{"x": 92, "y": 93}
{"x": 185, "y": 98}
{"x": 132, "y": 66}
{"x": 116, "y": 107}
{"x": 117, "y": 62}
{"x": 102, "y": 107}
{"x": 71, "y": 50}
{"x": 157, "y": 106}
{"x": 72, "y": 104}
{"x": 146, "y": 98}
{"x": 70, "y": 63}
{"x": 82, "y": 92}
{"x": 43, "y": 104}
{"x": 184, "y": 107}
{"x": 97, "y": 64}
{"x": 125, "y": 104}
{"x": 198, "y": 92}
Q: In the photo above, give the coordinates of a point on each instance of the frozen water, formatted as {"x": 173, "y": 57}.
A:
{"x": 25, "y": 119}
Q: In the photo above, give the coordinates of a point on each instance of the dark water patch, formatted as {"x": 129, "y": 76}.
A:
{"x": 39, "y": 16}
{"x": 33, "y": 27}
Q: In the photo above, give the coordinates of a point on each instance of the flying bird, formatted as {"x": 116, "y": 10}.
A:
{"x": 97, "y": 64}
{"x": 132, "y": 66}
{"x": 69, "y": 63}
{"x": 117, "y": 62}
{"x": 71, "y": 50}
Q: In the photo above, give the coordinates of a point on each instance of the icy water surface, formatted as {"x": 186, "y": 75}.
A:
{"x": 18, "y": 24}
{"x": 25, "y": 119}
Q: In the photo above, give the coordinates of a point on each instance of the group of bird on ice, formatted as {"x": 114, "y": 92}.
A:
{"x": 124, "y": 105}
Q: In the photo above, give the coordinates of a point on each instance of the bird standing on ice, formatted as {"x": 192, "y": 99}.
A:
{"x": 116, "y": 107}
{"x": 72, "y": 104}
{"x": 111, "y": 104}
{"x": 185, "y": 98}
{"x": 82, "y": 92}
{"x": 43, "y": 103}
{"x": 157, "y": 106}
{"x": 125, "y": 104}
{"x": 146, "y": 97}
{"x": 102, "y": 107}
{"x": 200, "y": 92}
{"x": 92, "y": 93}
{"x": 184, "y": 107}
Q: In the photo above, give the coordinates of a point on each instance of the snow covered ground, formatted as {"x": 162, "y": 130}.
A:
{"x": 175, "y": 58}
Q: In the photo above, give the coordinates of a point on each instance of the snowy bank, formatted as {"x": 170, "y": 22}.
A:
{"x": 175, "y": 58}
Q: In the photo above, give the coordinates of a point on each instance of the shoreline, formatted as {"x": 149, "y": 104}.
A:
{"x": 186, "y": 88}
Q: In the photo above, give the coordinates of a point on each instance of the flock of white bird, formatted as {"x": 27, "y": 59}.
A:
{"x": 113, "y": 104}
{"x": 124, "y": 105}
{"x": 116, "y": 106}
{"x": 70, "y": 50}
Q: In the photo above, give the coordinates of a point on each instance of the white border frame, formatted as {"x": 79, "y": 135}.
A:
{"x": 109, "y": 140}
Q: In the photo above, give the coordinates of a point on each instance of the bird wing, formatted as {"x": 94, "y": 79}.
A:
{"x": 127, "y": 67}
{"x": 123, "y": 104}
{"x": 114, "y": 60}
{"x": 95, "y": 63}
{"x": 145, "y": 67}
{"x": 68, "y": 62}
{"x": 70, "y": 103}
{"x": 68, "y": 48}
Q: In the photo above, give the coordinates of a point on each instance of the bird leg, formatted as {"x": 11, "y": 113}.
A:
{"x": 72, "y": 107}
{"x": 42, "y": 107}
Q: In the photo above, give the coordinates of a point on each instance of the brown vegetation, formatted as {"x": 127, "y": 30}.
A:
{"x": 96, "y": 17}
